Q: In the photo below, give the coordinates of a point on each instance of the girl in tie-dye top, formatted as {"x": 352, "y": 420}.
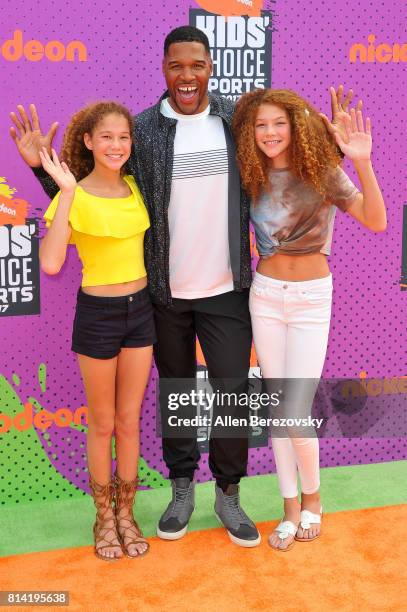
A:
{"x": 290, "y": 166}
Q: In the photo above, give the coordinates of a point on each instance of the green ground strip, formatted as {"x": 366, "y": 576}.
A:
{"x": 45, "y": 526}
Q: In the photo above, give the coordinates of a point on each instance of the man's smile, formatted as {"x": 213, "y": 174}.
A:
{"x": 187, "y": 92}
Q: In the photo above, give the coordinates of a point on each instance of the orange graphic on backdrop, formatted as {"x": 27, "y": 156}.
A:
{"x": 230, "y": 8}
{"x": 13, "y": 211}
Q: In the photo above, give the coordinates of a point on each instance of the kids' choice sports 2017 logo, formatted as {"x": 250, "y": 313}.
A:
{"x": 19, "y": 264}
{"x": 240, "y": 43}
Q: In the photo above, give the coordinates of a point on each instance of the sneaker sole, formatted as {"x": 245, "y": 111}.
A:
{"x": 172, "y": 535}
{"x": 238, "y": 541}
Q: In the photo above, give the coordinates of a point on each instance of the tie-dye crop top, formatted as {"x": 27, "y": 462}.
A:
{"x": 292, "y": 218}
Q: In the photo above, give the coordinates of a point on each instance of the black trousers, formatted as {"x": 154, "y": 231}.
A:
{"x": 222, "y": 324}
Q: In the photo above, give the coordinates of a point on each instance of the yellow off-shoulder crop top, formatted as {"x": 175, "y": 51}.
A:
{"x": 108, "y": 234}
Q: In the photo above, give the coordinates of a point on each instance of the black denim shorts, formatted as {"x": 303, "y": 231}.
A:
{"x": 103, "y": 325}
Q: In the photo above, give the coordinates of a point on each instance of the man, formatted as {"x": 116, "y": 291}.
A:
{"x": 197, "y": 257}
{"x": 199, "y": 244}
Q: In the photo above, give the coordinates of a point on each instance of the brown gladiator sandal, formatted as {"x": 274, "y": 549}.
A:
{"x": 105, "y": 536}
{"x": 127, "y": 528}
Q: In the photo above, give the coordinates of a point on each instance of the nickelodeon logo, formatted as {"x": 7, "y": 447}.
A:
{"x": 13, "y": 211}
{"x": 7, "y": 211}
{"x": 63, "y": 417}
{"x": 15, "y": 48}
{"x": 374, "y": 386}
{"x": 382, "y": 53}
{"x": 231, "y": 8}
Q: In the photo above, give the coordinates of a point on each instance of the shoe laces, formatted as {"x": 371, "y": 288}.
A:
{"x": 180, "y": 499}
{"x": 233, "y": 506}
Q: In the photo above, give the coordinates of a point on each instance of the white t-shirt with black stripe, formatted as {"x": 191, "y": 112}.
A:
{"x": 198, "y": 210}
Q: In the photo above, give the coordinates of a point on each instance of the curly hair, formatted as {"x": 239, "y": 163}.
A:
{"x": 313, "y": 150}
{"x": 74, "y": 152}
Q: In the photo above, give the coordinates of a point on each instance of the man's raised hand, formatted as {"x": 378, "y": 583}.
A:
{"x": 28, "y": 136}
{"x": 340, "y": 112}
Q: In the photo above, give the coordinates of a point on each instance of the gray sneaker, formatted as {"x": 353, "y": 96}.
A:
{"x": 241, "y": 529}
{"x": 174, "y": 522}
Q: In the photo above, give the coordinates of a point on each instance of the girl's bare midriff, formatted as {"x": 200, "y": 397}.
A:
{"x": 294, "y": 267}
{"x": 117, "y": 289}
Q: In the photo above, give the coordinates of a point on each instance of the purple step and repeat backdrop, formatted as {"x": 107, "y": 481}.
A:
{"x": 63, "y": 56}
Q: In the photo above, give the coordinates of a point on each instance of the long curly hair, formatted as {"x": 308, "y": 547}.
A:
{"x": 313, "y": 150}
{"x": 74, "y": 152}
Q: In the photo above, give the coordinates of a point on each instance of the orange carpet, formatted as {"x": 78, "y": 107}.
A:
{"x": 356, "y": 564}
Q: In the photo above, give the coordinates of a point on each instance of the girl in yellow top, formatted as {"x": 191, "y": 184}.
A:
{"x": 101, "y": 211}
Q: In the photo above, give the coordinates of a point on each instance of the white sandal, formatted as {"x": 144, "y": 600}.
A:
{"x": 306, "y": 519}
{"x": 285, "y": 529}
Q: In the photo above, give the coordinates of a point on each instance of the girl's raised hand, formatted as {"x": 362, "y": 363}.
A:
{"x": 359, "y": 140}
{"x": 59, "y": 171}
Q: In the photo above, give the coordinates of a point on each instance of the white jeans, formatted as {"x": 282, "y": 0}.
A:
{"x": 290, "y": 323}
